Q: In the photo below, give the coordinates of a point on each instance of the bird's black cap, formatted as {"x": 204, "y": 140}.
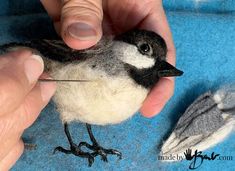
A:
{"x": 136, "y": 36}
{"x": 147, "y": 77}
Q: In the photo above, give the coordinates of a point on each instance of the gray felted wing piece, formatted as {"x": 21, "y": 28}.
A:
{"x": 201, "y": 117}
{"x": 207, "y": 121}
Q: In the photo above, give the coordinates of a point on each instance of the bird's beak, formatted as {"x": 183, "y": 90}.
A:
{"x": 167, "y": 70}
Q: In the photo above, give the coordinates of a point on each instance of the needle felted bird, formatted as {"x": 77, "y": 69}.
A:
{"x": 206, "y": 122}
{"x": 105, "y": 84}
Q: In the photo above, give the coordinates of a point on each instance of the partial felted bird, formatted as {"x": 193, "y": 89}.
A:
{"x": 105, "y": 84}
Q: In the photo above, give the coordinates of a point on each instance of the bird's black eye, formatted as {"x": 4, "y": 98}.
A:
{"x": 144, "y": 48}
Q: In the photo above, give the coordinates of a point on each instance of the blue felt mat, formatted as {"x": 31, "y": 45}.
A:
{"x": 16, "y": 7}
{"x": 205, "y": 46}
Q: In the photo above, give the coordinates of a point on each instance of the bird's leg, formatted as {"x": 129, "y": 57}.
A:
{"x": 74, "y": 149}
{"x": 97, "y": 149}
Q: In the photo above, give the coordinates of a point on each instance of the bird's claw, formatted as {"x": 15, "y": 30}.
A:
{"x": 98, "y": 150}
{"x": 74, "y": 149}
{"x": 117, "y": 153}
{"x": 90, "y": 160}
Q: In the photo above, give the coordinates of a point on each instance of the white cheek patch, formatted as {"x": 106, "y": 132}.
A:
{"x": 129, "y": 54}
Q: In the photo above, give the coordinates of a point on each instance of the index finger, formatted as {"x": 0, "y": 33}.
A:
{"x": 53, "y": 8}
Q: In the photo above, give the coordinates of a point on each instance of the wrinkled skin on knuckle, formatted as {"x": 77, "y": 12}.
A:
{"x": 86, "y": 8}
{"x": 7, "y": 98}
{"x": 145, "y": 5}
{"x": 7, "y": 128}
{"x": 27, "y": 117}
{"x": 12, "y": 127}
{"x": 10, "y": 88}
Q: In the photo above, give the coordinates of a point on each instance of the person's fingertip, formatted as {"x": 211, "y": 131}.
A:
{"x": 47, "y": 90}
{"x": 33, "y": 67}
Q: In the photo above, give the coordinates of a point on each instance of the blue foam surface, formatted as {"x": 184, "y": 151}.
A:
{"x": 16, "y": 7}
{"x": 205, "y": 46}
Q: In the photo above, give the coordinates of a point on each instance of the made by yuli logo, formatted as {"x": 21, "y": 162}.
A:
{"x": 198, "y": 157}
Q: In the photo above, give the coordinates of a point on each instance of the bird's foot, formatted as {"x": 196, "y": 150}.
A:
{"x": 74, "y": 149}
{"x": 98, "y": 150}
{"x": 95, "y": 147}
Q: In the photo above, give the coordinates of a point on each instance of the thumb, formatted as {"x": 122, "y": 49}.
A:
{"x": 81, "y": 22}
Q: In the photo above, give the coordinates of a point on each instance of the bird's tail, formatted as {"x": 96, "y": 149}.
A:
{"x": 52, "y": 49}
{"x": 12, "y": 46}
{"x": 49, "y": 50}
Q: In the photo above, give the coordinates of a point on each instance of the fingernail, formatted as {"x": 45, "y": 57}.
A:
{"x": 33, "y": 67}
{"x": 47, "y": 90}
{"x": 82, "y": 31}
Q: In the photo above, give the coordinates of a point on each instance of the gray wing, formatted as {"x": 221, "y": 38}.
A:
{"x": 201, "y": 117}
{"x": 52, "y": 49}
{"x": 57, "y": 50}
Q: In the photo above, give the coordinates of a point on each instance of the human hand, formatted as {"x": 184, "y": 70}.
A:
{"x": 21, "y": 100}
{"x": 82, "y": 23}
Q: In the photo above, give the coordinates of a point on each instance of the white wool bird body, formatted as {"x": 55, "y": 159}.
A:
{"x": 110, "y": 95}
{"x": 101, "y": 100}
